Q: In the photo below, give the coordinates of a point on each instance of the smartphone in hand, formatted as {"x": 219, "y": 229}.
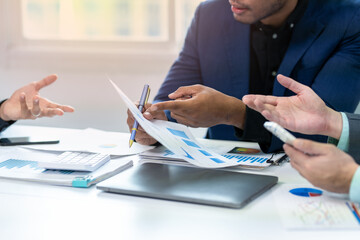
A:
{"x": 280, "y": 132}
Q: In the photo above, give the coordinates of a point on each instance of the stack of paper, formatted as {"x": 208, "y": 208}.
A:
{"x": 20, "y": 164}
{"x": 257, "y": 160}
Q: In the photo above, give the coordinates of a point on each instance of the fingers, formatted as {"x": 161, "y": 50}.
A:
{"x": 64, "y": 108}
{"x": 291, "y": 84}
{"x": 184, "y": 92}
{"x": 250, "y": 99}
{"x": 160, "y": 115}
{"x": 141, "y": 136}
{"x": 36, "y": 111}
{"x": 261, "y": 103}
{"x": 45, "y": 82}
{"x": 23, "y": 106}
{"x": 185, "y": 120}
{"x": 168, "y": 105}
{"x": 311, "y": 147}
{"x": 51, "y": 112}
{"x": 297, "y": 157}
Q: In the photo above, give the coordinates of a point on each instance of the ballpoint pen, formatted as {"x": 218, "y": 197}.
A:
{"x": 143, "y": 100}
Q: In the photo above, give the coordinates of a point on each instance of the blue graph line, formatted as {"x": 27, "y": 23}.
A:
{"x": 205, "y": 153}
{"x": 190, "y": 143}
{"x": 168, "y": 153}
{"x": 246, "y": 159}
{"x": 178, "y": 133}
{"x": 217, "y": 160}
{"x": 187, "y": 154}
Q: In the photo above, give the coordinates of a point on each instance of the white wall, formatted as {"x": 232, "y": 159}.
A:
{"x": 96, "y": 103}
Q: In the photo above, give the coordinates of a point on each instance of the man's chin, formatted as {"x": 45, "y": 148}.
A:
{"x": 244, "y": 19}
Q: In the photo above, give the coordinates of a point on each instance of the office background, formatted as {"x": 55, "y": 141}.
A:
{"x": 133, "y": 42}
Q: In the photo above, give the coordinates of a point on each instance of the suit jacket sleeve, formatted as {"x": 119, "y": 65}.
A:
{"x": 354, "y": 136}
{"x": 4, "y": 124}
{"x": 185, "y": 70}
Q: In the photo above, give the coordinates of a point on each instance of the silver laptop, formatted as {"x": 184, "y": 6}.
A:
{"x": 188, "y": 184}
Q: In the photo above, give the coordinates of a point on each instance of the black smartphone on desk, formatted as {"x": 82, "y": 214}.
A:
{"x": 25, "y": 141}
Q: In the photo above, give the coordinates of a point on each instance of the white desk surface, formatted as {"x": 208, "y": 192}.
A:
{"x": 40, "y": 211}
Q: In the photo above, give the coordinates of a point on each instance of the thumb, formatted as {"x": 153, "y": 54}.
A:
{"x": 311, "y": 147}
{"x": 46, "y": 81}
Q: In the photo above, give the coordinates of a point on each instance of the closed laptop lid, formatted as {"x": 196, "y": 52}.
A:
{"x": 188, "y": 184}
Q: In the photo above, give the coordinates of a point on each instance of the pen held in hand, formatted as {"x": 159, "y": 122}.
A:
{"x": 143, "y": 100}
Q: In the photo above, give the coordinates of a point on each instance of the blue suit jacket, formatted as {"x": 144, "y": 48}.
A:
{"x": 3, "y": 124}
{"x": 324, "y": 53}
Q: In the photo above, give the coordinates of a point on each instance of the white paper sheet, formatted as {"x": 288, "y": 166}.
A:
{"x": 177, "y": 138}
{"x": 96, "y": 141}
{"x": 326, "y": 211}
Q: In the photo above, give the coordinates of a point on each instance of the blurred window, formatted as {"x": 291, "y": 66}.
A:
{"x": 119, "y": 20}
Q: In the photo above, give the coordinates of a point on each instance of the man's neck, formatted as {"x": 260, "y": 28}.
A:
{"x": 277, "y": 19}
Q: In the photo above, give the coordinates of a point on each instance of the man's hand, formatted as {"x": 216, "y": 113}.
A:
{"x": 305, "y": 112}
{"x": 323, "y": 165}
{"x": 25, "y": 103}
{"x": 141, "y": 136}
{"x": 200, "y": 106}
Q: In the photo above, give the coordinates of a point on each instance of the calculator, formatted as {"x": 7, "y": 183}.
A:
{"x": 76, "y": 161}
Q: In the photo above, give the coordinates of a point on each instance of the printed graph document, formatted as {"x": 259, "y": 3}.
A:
{"x": 178, "y": 139}
{"x": 246, "y": 157}
{"x": 306, "y": 207}
{"x": 22, "y": 164}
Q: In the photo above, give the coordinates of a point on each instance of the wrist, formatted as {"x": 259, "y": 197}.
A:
{"x": 237, "y": 113}
{"x": 349, "y": 175}
{"x": 2, "y": 111}
{"x": 334, "y": 124}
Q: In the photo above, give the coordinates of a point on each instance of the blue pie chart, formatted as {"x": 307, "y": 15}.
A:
{"x": 306, "y": 192}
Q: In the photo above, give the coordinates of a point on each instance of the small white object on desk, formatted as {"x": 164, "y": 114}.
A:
{"x": 77, "y": 161}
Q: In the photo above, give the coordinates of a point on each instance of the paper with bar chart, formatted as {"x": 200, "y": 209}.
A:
{"x": 306, "y": 207}
{"x": 178, "y": 139}
{"x": 22, "y": 164}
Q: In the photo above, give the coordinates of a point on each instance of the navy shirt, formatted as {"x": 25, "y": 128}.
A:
{"x": 268, "y": 46}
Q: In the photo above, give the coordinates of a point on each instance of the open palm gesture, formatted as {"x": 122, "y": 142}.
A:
{"x": 304, "y": 112}
{"x": 25, "y": 103}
